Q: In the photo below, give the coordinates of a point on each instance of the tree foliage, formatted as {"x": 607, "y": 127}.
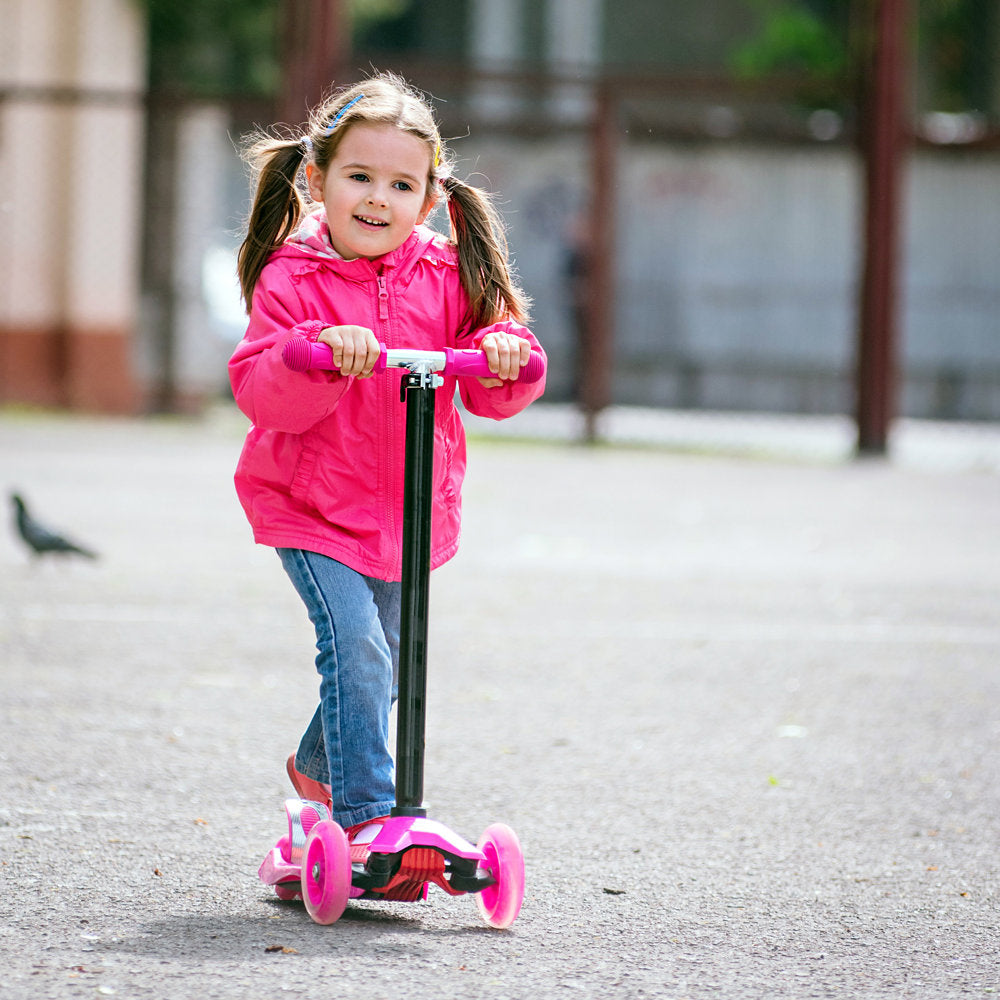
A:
{"x": 791, "y": 39}
{"x": 231, "y": 47}
{"x": 214, "y": 47}
{"x": 955, "y": 43}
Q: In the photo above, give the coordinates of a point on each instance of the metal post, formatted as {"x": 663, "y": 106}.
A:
{"x": 884, "y": 121}
{"x": 598, "y": 331}
{"x": 159, "y": 253}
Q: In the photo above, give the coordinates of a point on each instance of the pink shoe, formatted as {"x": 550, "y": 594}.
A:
{"x": 307, "y": 788}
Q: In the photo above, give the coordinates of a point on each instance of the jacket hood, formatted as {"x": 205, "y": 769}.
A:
{"x": 311, "y": 242}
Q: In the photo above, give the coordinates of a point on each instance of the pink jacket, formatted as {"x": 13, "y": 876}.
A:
{"x": 322, "y": 465}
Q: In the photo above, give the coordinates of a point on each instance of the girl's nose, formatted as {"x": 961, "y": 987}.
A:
{"x": 377, "y": 197}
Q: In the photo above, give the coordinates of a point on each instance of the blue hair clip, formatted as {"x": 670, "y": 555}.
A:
{"x": 340, "y": 114}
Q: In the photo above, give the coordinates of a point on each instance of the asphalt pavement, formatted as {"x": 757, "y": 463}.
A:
{"x": 737, "y": 692}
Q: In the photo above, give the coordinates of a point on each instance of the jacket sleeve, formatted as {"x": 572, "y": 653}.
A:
{"x": 511, "y": 397}
{"x": 272, "y": 396}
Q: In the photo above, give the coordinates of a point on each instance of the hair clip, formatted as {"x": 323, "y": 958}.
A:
{"x": 437, "y": 155}
{"x": 340, "y": 114}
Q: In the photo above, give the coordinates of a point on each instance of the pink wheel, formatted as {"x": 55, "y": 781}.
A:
{"x": 326, "y": 872}
{"x": 500, "y": 903}
{"x": 287, "y": 890}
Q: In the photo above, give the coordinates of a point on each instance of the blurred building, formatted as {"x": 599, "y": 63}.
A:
{"x": 735, "y": 239}
{"x": 72, "y": 113}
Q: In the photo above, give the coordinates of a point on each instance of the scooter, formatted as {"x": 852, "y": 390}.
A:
{"x": 401, "y": 859}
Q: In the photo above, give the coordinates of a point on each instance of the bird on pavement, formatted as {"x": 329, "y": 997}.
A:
{"x": 40, "y": 539}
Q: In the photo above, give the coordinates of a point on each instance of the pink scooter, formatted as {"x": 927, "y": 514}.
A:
{"x": 402, "y": 858}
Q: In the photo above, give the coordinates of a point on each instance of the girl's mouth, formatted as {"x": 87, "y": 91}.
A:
{"x": 368, "y": 221}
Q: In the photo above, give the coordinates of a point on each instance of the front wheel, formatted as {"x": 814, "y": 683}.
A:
{"x": 500, "y": 903}
{"x": 326, "y": 872}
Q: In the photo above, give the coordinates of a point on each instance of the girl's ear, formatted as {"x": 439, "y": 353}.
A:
{"x": 314, "y": 182}
{"x": 427, "y": 209}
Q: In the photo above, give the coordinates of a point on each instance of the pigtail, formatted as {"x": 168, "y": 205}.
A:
{"x": 278, "y": 205}
{"x": 478, "y": 232}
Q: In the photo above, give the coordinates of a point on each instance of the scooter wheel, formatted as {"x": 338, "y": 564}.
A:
{"x": 287, "y": 890}
{"x": 326, "y": 872}
{"x": 500, "y": 903}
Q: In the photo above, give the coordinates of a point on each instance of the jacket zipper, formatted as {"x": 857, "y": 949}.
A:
{"x": 383, "y": 298}
{"x": 389, "y": 402}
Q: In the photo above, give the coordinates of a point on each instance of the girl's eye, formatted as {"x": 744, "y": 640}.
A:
{"x": 402, "y": 186}
{"x": 363, "y": 178}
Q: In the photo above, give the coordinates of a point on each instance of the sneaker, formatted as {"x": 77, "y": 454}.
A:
{"x": 307, "y": 788}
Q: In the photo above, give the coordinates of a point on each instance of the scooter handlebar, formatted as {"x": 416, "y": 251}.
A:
{"x": 473, "y": 362}
{"x": 301, "y": 355}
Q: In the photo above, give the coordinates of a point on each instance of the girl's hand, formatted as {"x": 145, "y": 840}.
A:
{"x": 507, "y": 354}
{"x": 355, "y": 349}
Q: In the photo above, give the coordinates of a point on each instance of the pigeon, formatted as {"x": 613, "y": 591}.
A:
{"x": 39, "y": 538}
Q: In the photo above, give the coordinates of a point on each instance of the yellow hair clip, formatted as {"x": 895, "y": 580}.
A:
{"x": 437, "y": 155}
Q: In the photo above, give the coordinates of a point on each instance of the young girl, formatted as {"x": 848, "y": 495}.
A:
{"x": 320, "y": 475}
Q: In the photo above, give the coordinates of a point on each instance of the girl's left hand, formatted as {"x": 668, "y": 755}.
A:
{"x": 507, "y": 354}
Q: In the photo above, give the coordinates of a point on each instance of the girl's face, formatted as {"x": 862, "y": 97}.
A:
{"x": 374, "y": 190}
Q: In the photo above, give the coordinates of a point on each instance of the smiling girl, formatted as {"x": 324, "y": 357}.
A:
{"x": 337, "y": 251}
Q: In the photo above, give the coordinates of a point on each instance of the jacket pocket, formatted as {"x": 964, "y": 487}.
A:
{"x": 302, "y": 477}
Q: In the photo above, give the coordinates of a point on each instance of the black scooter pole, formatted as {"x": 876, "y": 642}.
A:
{"x": 418, "y": 389}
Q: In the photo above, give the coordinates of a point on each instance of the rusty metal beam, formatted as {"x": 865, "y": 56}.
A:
{"x": 884, "y": 140}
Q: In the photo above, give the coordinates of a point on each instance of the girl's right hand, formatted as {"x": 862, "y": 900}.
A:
{"x": 355, "y": 349}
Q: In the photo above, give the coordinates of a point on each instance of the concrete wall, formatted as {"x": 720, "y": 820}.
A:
{"x": 197, "y": 301}
{"x": 738, "y": 269}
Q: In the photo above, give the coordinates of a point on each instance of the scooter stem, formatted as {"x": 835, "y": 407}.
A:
{"x": 418, "y": 389}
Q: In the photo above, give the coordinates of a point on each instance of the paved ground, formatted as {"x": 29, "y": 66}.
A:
{"x": 744, "y": 712}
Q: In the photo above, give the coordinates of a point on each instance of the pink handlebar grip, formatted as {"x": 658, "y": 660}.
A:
{"x": 301, "y": 355}
{"x": 473, "y": 362}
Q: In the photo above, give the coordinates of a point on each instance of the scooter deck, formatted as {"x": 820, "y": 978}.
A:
{"x": 396, "y": 860}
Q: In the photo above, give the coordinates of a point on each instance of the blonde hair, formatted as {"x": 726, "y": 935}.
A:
{"x": 279, "y": 202}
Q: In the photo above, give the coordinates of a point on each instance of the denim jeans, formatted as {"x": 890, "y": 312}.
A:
{"x": 346, "y": 745}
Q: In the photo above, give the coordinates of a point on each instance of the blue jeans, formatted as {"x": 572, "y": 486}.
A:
{"x": 346, "y": 745}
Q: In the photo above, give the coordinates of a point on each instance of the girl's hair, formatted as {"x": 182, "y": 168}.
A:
{"x": 280, "y": 201}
